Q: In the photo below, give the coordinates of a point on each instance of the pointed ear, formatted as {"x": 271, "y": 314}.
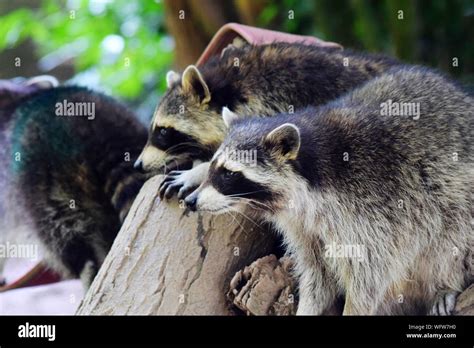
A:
{"x": 284, "y": 142}
{"x": 171, "y": 78}
{"x": 228, "y": 116}
{"x": 194, "y": 83}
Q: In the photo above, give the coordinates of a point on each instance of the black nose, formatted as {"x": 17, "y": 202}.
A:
{"x": 138, "y": 165}
{"x": 190, "y": 202}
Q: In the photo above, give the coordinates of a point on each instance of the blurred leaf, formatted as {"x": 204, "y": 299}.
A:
{"x": 15, "y": 27}
{"x": 78, "y": 33}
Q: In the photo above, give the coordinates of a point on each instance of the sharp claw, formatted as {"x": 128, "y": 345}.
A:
{"x": 163, "y": 183}
{"x": 163, "y": 189}
{"x": 445, "y": 304}
{"x": 168, "y": 179}
{"x": 441, "y": 309}
{"x": 450, "y": 303}
{"x": 185, "y": 191}
{"x": 175, "y": 172}
{"x": 182, "y": 190}
{"x": 171, "y": 184}
{"x": 171, "y": 190}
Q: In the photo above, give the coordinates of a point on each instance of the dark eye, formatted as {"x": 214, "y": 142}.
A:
{"x": 229, "y": 174}
{"x": 163, "y": 131}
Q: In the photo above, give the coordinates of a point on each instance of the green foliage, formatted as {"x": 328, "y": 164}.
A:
{"x": 124, "y": 41}
{"x": 430, "y": 32}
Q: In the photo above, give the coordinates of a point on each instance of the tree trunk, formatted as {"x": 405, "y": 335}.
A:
{"x": 465, "y": 302}
{"x": 163, "y": 262}
{"x": 192, "y": 23}
{"x": 266, "y": 287}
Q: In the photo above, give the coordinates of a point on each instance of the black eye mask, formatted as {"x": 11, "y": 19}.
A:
{"x": 177, "y": 143}
{"x": 235, "y": 183}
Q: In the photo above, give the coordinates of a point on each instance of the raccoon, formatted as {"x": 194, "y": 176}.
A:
{"x": 66, "y": 175}
{"x": 398, "y": 186}
{"x": 261, "y": 80}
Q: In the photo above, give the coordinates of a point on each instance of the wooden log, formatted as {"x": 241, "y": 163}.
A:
{"x": 165, "y": 262}
{"x": 465, "y": 302}
{"x": 266, "y": 287}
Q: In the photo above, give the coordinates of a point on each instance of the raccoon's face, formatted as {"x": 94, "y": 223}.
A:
{"x": 251, "y": 168}
{"x": 184, "y": 127}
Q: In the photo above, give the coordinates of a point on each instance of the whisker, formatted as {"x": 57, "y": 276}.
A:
{"x": 252, "y": 201}
{"x": 236, "y": 220}
{"x": 184, "y": 144}
{"x": 245, "y": 193}
{"x": 245, "y": 216}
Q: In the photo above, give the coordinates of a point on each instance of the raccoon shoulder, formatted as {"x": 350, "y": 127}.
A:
{"x": 321, "y": 74}
{"x": 410, "y": 83}
{"x": 432, "y": 116}
{"x": 109, "y": 113}
{"x": 44, "y": 99}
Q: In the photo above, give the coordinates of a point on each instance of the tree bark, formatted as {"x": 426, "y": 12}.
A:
{"x": 192, "y": 23}
{"x": 266, "y": 287}
{"x": 465, "y": 302}
{"x": 164, "y": 262}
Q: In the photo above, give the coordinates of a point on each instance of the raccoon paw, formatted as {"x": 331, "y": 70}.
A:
{"x": 444, "y": 303}
{"x": 183, "y": 182}
{"x": 88, "y": 273}
{"x": 177, "y": 182}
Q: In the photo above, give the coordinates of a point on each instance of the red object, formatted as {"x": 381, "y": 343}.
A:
{"x": 12, "y": 91}
{"x": 40, "y": 275}
{"x": 255, "y": 36}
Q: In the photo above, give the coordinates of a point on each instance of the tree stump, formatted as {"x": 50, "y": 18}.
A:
{"x": 266, "y": 287}
{"x": 465, "y": 302}
{"x": 165, "y": 262}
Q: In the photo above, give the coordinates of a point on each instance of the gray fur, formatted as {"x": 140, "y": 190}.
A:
{"x": 257, "y": 80}
{"x": 74, "y": 183}
{"x": 401, "y": 196}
